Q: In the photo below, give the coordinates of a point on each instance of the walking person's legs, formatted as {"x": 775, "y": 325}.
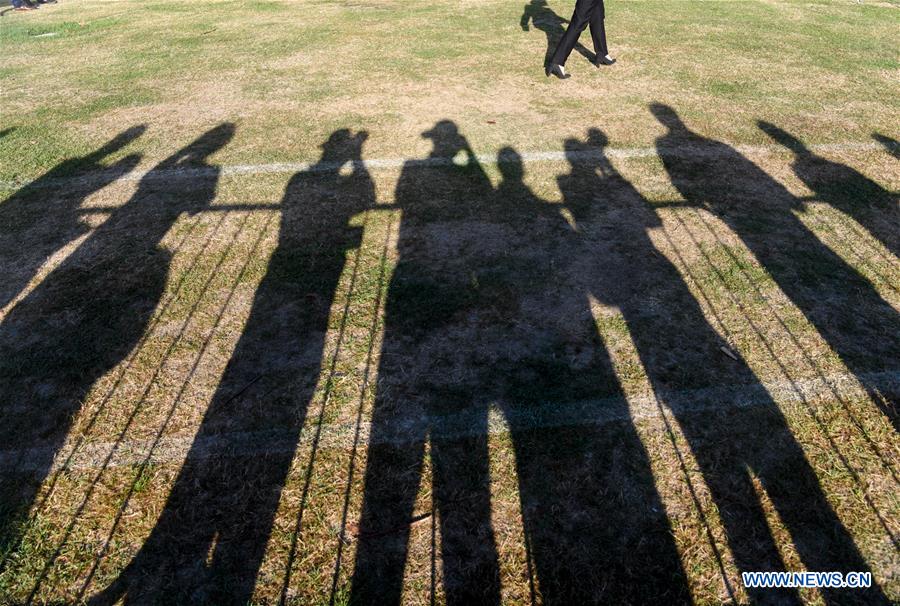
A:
{"x": 586, "y": 12}
{"x": 598, "y": 35}
{"x": 579, "y": 21}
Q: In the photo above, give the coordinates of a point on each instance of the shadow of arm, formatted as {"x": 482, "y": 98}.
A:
{"x": 526, "y": 17}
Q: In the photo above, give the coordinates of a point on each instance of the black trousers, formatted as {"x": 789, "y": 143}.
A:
{"x": 587, "y": 12}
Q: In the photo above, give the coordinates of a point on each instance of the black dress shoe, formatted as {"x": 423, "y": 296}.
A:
{"x": 557, "y": 70}
{"x": 604, "y": 61}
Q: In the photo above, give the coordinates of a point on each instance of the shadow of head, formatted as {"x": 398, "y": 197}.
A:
{"x": 446, "y": 139}
{"x": 343, "y": 145}
{"x": 337, "y": 185}
{"x": 509, "y": 162}
{"x": 667, "y": 116}
{"x": 783, "y": 137}
{"x": 596, "y": 138}
{"x": 589, "y": 164}
{"x": 574, "y": 148}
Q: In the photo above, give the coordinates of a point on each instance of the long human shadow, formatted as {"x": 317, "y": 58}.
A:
{"x": 84, "y": 318}
{"x": 891, "y": 145}
{"x": 210, "y": 539}
{"x": 45, "y": 213}
{"x": 845, "y": 188}
{"x": 424, "y": 298}
{"x": 856, "y": 322}
{"x": 680, "y": 350}
{"x": 545, "y": 19}
{"x": 595, "y": 526}
{"x": 477, "y": 313}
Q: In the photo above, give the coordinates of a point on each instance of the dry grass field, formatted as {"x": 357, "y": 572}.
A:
{"x": 345, "y": 302}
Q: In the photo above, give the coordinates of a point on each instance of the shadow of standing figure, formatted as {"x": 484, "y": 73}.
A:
{"x": 543, "y": 18}
{"x": 757, "y": 442}
{"x": 846, "y": 189}
{"x": 86, "y": 316}
{"x": 432, "y": 287}
{"x": 44, "y": 215}
{"x": 210, "y": 539}
{"x": 595, "y": 526}
{"x": 481, "y": 311}
{"x": 858, "y": 324}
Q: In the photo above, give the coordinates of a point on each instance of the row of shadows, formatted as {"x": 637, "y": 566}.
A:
{"x": 489, "y": 304}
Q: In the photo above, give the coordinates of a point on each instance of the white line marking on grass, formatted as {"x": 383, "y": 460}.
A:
{"x": 396, "y": 163}
{"x": 787, "y": 394}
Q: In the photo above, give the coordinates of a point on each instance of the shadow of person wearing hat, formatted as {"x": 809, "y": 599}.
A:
{"x": 432, "y": 288}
